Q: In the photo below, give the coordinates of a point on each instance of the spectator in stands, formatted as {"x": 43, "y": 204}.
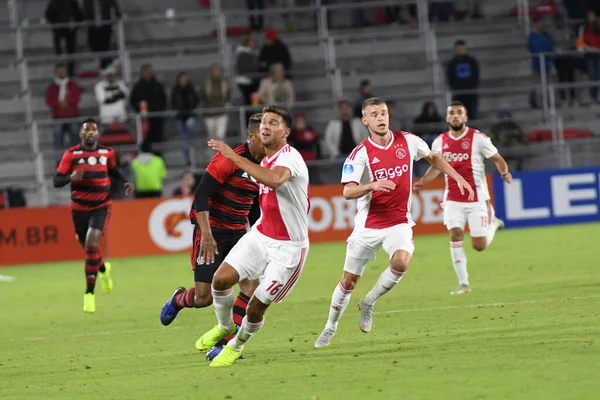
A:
{"x": 246, "y": 67}
{"x": 358, "y": 19}
{"x": 104, "y": 13}
{"x": 365, "y": 93}
{"x": 539, "y": 42}
{"x": 111, "y": 95}
{"x": 507, "y": 133}
{"x": 62, "y": 96}
{"x": 257, "y": 21}
{"x": 277, "y": 88}
{"x": 304, "y": 138}
{"x": 215, "y": 94}
{"x": 395, "y": 124}
{"x": 149, "y": 94}
{"x": 149, "y": 171}
{"x": 589, "y": 34}
{"x": 344, "y": 133}
{"x": 468, "y": 9}
{"x": 463, "y": 74}
{"x": 184, "y": 99}
{"x": 64, "y": 12}
{"x": 441, "y": 11}
{"x": 187, "y": 186}
{"x": 290, "y": 26}
{"x": 428, "y": 124}
{"x": 274, "y": 51}
{"x": 564, "y": 43}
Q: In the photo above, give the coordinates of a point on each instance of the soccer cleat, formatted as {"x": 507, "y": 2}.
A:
{"x": 366, "y": 315}
{"x": 212, "y": 337}
{"x": 105, "y": 279}
{"x": 226, "y": 357}
{"x": 215, "y": 351}
{"x": 169, "y": 311}
{"x": 462, "y": 289}
{"x": 89, "y": 303}
{"x": 324, "y": 339}
{"x": 499, "y": 223}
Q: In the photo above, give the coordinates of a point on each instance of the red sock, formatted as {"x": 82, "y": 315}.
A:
{"x": 239, "y": 310}
{"x": 93, "y": 261}
{"x": 186, "y": 299}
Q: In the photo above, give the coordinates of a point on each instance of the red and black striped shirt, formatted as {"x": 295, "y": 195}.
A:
{"x": 93, "y": 191}
{"x": 232, "y": 201}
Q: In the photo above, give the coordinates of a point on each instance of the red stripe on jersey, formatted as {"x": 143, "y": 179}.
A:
{"x": 356, "y": 150}
{"x": 458, "y": 153}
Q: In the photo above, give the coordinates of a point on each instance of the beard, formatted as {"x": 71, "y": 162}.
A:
{"x": 457, "y": 126}
{"x": 91, "y": 142}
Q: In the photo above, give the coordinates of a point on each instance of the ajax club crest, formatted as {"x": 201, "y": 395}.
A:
{"x": 400, "y": 153}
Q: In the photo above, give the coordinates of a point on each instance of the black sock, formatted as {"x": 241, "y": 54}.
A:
{"x": 90, "y": 288}
{"x": 102, "y": 268}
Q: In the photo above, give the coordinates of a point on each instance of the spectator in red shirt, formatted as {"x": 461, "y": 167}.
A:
{"x": 589, "y": 33}
{"x": 62, "y": 96}
{"x": 305, "y": 139}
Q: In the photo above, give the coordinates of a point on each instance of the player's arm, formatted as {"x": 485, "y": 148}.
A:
{"x": 64, "y": 174}
{"x": 207, "y": 187}
{"x": 439, "y": 163}
{"x": 502, "y": 167}
{"x": 254, "y": 213}
{"x": 117, "y": 175}
{"x": 352, "y": 173}
{"x": 429, "y": 175}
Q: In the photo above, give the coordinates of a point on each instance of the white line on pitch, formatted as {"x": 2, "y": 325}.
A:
{"x": 482, "y": 305}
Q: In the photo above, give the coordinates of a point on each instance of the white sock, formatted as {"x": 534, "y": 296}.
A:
{"x": 387, "y": 280}
{"x": 459, "y": 261}
{"x": 339, "y": 302}
{"x": 223, "y": 302}
{"x": 247, "y": 330}
{"x": 492, "y": 227}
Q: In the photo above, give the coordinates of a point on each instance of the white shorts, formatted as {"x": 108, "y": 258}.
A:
{"x": 364, "y": 243}
{"x": 478, "y": 215}
{"x": 275, "y": 263}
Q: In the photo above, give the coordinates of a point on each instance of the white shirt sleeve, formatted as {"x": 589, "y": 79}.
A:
{"x": 291, "y": 160}
{"x": 353, "y": 169}
{"x": 487, "y": 148}
{"x": 422, "y": 149}
{"x": 436, "y": 146}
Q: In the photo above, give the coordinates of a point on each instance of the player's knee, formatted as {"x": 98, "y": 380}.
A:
{"x": 203, "y": 300}
{"x": 399, "y": 265}
{"x": 456, "y": 235}
{"x": 479, "y": 245}
{"x": 255, "y": 310}
{"x": 93, "y": 237}
{"x": 349, "y": 281}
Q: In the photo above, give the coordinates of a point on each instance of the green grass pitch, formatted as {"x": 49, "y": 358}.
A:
{"x": 529, "y": 330}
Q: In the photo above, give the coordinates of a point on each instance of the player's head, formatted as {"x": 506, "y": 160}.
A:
{"x": 60, "y": 71}
{"x": 254, "y": 143}
{"x": 146, "y": 72}
{"x": 375, "y": 116}
{"x": 460, "y": 48}
{"x": 89, "y": 133}
{"x": 275, "y": 125}
{"x": 456, "y": 115}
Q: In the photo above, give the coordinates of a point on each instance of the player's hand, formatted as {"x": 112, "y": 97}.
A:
{"x": 463, "y": 185}
{"x": 222, "y": 148}
{"x": 76, "y": 175}
{"x": 129, "y": 188}
{"x": 418, "y": 185}
{"x": 208, "y": 248}
{"x": 507, "y": 177}
{"x": 383, "y": 186}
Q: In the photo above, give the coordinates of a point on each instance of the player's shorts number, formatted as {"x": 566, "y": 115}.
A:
{"x": 274, "y": 288}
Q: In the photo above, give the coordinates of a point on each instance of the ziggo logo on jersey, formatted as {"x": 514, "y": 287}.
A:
{"x": 448, "y": 156}
{"x": 390, "y": 173}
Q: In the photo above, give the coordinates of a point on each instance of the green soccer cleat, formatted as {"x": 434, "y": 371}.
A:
{"x": 212, "y": 337}
{"x": 226, "y": 357}
{"x": 89, "y": 303}
{"x": 105, "y": 279}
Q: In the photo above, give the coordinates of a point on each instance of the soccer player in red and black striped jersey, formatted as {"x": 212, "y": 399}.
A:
{"x": 225, "y": 203}
{"x": 88, "y": 167}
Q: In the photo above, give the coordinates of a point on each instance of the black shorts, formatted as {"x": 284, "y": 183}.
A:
{"x": 84, "y": 220}
{"x": 225, "y": 242}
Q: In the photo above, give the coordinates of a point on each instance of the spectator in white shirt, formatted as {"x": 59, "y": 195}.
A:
{"x": 111, "y": 95}
{"x": 344, "y": 133}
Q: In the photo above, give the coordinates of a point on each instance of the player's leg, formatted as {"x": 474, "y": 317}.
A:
{"x": 494, "y": 225}
{"x": 99, "y": 222}
{"x": 245, "y": 261}
{"x": 358, "y": 253}
{"x": 280, "y": 276}
{"x": 455, "y": 219}
{"x": 399, "y": 245}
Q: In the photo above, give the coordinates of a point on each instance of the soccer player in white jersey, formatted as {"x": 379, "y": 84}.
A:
{"x": 379, "y": 174}
{"x": 465, "y": 149}
{"x": 275, "y": 249}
